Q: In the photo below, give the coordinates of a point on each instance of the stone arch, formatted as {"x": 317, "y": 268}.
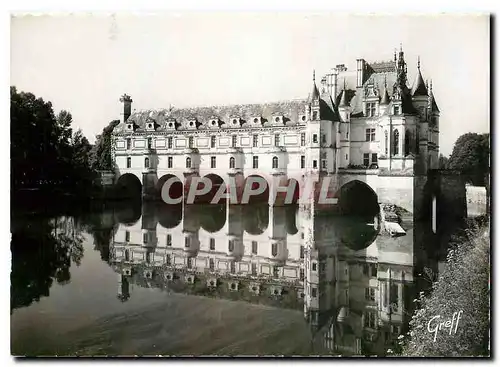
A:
{"x": 216, "y": 181}
{"x": 357, "y": 197}
{"x": 128, "y": 186}
{"x": 175, "y": 191}
{"x": 260, "y": 198}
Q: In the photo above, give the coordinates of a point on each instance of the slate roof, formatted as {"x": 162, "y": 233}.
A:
{"x": 419, "y": 88}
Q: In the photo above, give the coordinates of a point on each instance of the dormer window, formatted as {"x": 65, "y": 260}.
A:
{"x": 170, "y": 124}
{"x": 303, "y": 118}
{"x": 150, "y": 125}
{"x": 315, "y": 115}
{"x": 371, "y": 109}
{"x": 278, "y": 119}
{"x": 191, "y": 122}
{"x": 213, "y": 122}
{"x": 130, "y": 126}
{"x": 396, "y": 110}
{"x": 257, "y": 120}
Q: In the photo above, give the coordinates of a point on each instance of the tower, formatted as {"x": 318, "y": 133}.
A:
{"x": 126, "y": 100}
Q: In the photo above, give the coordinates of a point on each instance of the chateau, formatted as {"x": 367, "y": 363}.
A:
{"x": 362, "y": 125}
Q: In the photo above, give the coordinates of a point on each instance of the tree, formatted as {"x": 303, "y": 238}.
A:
{"x": 100, "y": 157}
{"x": 470, "y": 156}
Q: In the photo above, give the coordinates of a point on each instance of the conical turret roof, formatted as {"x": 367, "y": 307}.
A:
{"x": 419, "y": 88}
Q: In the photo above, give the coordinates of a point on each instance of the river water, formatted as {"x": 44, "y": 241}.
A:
{"x": 152, "y": 279}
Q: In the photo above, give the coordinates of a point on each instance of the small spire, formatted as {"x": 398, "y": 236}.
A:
{"x": 385, "y": 80}
{"x": 385, "y": 95}
{"x": 344, "y": 83}
{"x": 418, "y": 62}
{"x": 314, "y": 75}
{"x": 430, "y": 85}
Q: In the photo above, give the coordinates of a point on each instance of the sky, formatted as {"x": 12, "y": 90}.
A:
{"x": 84, "y": 63}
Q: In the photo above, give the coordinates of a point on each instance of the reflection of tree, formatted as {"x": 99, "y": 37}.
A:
{"x": 41, "y": 254}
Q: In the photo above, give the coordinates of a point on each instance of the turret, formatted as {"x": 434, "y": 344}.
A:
{"x": 126, "y": 100}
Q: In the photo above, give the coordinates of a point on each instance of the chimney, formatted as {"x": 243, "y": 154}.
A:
{"x": 360, "y": 72}
{"x": 127, "y": 107}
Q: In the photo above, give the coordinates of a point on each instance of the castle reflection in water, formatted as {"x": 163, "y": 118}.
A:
{"x": 354, "y": 285}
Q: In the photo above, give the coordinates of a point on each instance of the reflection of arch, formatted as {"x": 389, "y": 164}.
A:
{"x": 407, "y": 142}
{"x": 129, "y": 212}
{"x": 128, "y": 186}
{"x": 291, "y": 224}
{"x": 176, "y": 188}
{"x": 255, "y": 218}
{"x": 169, "y": 216}
{"x": 356, "y": 197}
{"x": 354, "y": 232}
{"x": 275, "y": 162}
{"x": 211, "y": 217}
{"x": 395, "y": 142}
{"x": 264, "y": 197}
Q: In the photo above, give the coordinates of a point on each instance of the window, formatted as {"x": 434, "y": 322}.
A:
{"x": 230, "y": 245}
{"x": 301, "y": 274}
{"x": 370, "y": 294}
{"x": 315, "y": 138}
{"x": 169, "y": 261}
{"x": 313, "y": 266}
{"x": 394, "y": 296}
{"x": 212, "y": 162}
{"x": 276, "y": 140}
{"x": 146, "y": 162}
{"x": 129, "y": 162}
{"x": 370, "y": 270}
{"x": 276, "y": 272}
{"x": 417, "y": 142}
{"x": 191, "y": 141}
{"x": 395, "y": 143}
{"x": 254, "y": 247}
{"x": 150, "y": 143}
{"x": 232, "y": 162}
{"x": 407, "y": 142}
{"x": 386, "y": 145}
{"x": 145, "y": 238}
{"x": 233, "y": 267}
{"x": 189, "y": 262}
{"x": 396, "y": 110}
{"x": 346, "y": 157}
{"x": 274, "y": 249}
{"x": 323, "y": 163}
{"x": 301, "y": 252}
{"x": 211, "y": 264}
{"x": 255, "y": 141}
{"x": 371, "y": 109}
{"x": 255, "y": 162}
{"x": 129, "y": 143}
{"x": 366, "y": 159}
{"x": 370, "y": 135}
{"x": 169, "y": 142}
{"x": 187, "y": 242}
{"x": 212, "y": 244}
{"x": 374, "y": 270}
{"x": 127, "y": 236}
{"x": 374, "y": 158}
{"x": 254, "y": 269}
{"x": 212, "y": 141}
{"x": 314, "y": 292}
{"x": 188, "y": 162}
{"x": 275, "y": 162}
{"x": 323, "y": 138}
{"x": 322, "y": 267}
{"x": 127, "y": 255}
{"x": 315, "y": 115}
{"x": 302, "y": 139}
{"x": 169, "y": 240}
{"x": 170, "y": 162}
{"x": 347, "y": 134}
{"x": 370, "y": 320}
{"x": 302, "y": 161}
{"x": 315, "y": 164}
{"x": 233, "y": 142}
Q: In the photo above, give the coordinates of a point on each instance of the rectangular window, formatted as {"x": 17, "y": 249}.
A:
{"x": 211, "y": 264}
{"x": 347, "y": 135}
{"x": 315, "y": 164}
{"x": 187, "y": 242}
{"x": 301, "y": 274}
{"x": 169, "y": 261}
{"x": 129, "y": 143}
{"x": 322, "y": 267}
{"x": 254, "y": 269}
{"x": 233, "y": 142}
{"x": 127, "y": 236}
{"x": 370, "y": 294}
{"x": 370, "y": 135}
{"x": 314, "y": 292}
{"x": 255, "y": 141}
{"x": 301, "y": 253}
{"x": 371, "y": 109}
{"x": 212, "y": 141}
{"x": 370, "y": 320}
{"x": 170, "y": 162}
{"x": 302, "y": 161}
{"x": 315, "y": 138}
{"x": 212, "y": 162}
{"x": 233, "y": 267}
{"x": 374, "y": 158}
{"x": 346, "y": 157}
{"x": 145, "y": 238}
{"x": 150, "y": 143}
{"x": 212, "y": 244}
{"x": 314, "y": 266}
{"x": 374, "y": 270}
{"x": 315, "y": 115}
{"x": 255, "y": 162}
{"x": 169, "y": 142}
{"x": 276, "y": 140}
{"x": 129, "y": 162}
{"x": 191, "y": 142}
{"x": 169, "y": 240}
{"x": 276, "y": 272}
{"x": 323, "y": 138}
{"x": 396, "y": 110}
{"x": 323, "y": 163}
{"x": 302, "y": 139}
{"x": 189, "y": 262}
{"x": 394, "y": 296}
{"x": 254, "y": 247}
{"x": 366, "y": 159}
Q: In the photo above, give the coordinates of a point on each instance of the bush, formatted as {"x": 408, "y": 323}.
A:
{"x": 464, "y": 285}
